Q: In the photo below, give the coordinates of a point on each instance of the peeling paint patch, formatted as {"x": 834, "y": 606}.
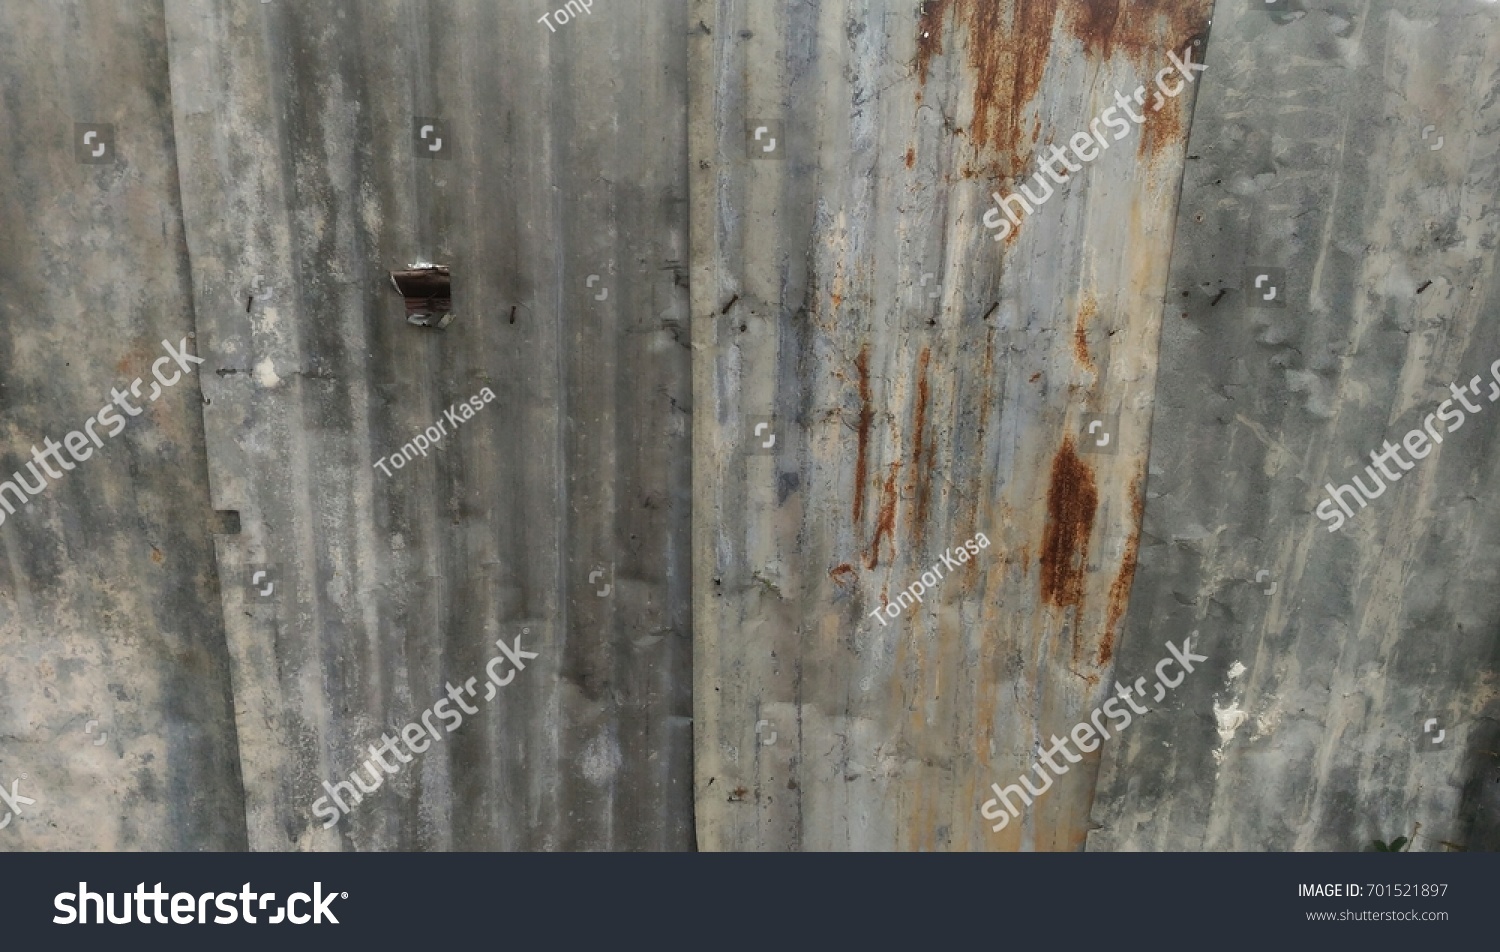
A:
{"x": 265, "y": 373}
{"x": 1229, "y": 720}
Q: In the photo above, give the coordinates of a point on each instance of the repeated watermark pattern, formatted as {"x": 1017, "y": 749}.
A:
{"x": 431, "y": 436}
{"x": 415, "y": 735}
{"x": 1084, "y": 734}
{"x": 1088, "y": 145}
{"x": 77, "y": 442}
{"x": 1416, "y": 442}
{"x": 929, "y": 579}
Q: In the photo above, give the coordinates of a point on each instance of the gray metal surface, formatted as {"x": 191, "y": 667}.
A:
{"x": 301, "y": 184}
{"x": 115, "y": 709}
{"x": 1315, "y": 156}
{"x": 298, "y": 129}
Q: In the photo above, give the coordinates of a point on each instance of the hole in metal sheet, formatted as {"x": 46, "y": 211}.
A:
{"x": 427, "y": 292}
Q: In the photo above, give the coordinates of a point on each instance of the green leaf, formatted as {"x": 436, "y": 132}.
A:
{"x": 1397, "y": 843}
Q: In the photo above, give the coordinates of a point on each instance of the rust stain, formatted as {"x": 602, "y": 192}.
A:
{"x": 1134, "y": 27}
{"x": 842, "y": 574}
{"x": 1008, "y": 46}
{"x": 156, "y": 555}
{"x": 921, "y": 476}
{"x": 1143, "y": 31}
{"x": 1072, "y": 503}
{"x": 929, "y": 34}
{"x": 866, "y": 417}
{"x": 1086, "y": 313}
{"x": 1165, "y": 125}
{"x": 1119, "y": 591}
{"x": 1007, "y": 56}
{"x": 885, "y": 525}
{"x": 1033, "y": 378}
{"x": 911, "y": 157}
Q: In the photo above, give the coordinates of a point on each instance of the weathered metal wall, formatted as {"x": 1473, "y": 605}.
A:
{"x": 923, "y": 384}
{"x": 298, "y": 131}
{"x": 115, "y": 710}
{"x": 1357, "y": 147}
{"x": 301, "y": 182}
{"x": 908, "y": 422}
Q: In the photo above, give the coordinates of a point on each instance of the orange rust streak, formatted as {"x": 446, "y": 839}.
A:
{"x": 842, "y": 573}
{"x": 886, "y": 524}
{"x": 1086, "y": 313}
{"x": 922, "y": 477}
{"x": 1072, "y": 502}
{"x": 1119, "y": 591}
{"x": 866, "y": 417}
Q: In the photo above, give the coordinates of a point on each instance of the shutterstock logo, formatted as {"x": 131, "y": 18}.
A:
{"x": 187, "y": 909}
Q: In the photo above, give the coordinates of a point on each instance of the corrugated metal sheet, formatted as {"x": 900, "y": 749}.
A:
{"x": 110, "y": 628}
{"x": 907, "y": 422}
{"x": 303, "y": 155}
{"x": 871, "y": 381}
{"x": 301, "y": 185}
{"x": 1356, "y": 147}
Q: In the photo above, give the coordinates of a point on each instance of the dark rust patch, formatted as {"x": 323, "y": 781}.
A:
{"x": 911, "y": 157}
{"x": 929, "y": 34}
{"x": 1094, "y": 24}
{"x": 1135, "y": 28}
{"x": 842, "y": 574}
{"x": 1119, "y": 590}
{"x": 1072, "y": 502}
{"x": 866, "y": 417}
{"x": 922, "y": 476}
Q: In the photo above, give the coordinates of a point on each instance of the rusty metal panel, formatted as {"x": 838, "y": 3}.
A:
{"x": 322, "y": 146}
{"x": 1349, "y": 155}
{"x": 925, "y": 384}
{"x": 115, "y": 712}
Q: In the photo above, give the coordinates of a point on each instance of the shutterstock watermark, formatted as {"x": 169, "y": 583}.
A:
{"x": 1084, "y": 734}
{"x": 430, "y": 437}
{"x": 189, "y": 909}
{"x": 1088, "y": 145}
{"x": 929, "y": 579}
{"x": 1417, "y": 443}
{"x": 415, "y": 735}
{"x": 13, "y": 801}
{"x": 77, "y": 442}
